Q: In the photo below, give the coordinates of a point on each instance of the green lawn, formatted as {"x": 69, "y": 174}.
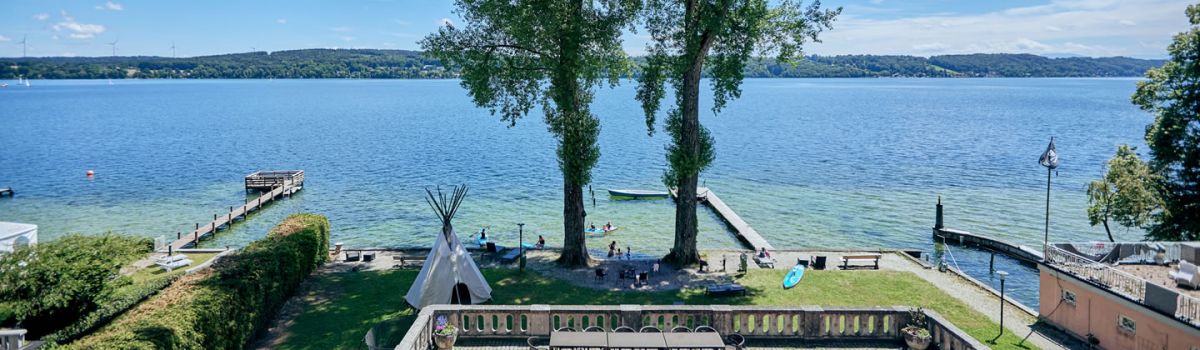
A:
{"x": 340, "y": 308}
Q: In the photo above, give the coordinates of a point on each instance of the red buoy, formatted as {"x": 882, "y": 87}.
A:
{"x": 91, "y": 173}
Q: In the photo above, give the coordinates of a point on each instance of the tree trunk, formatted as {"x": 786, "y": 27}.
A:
{"x": 684, "y": 252}
{"x": 1107, "y": 230}
{"x": 574, "y": 251}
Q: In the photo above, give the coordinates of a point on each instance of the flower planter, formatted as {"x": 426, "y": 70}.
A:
{"x": 916, "y": 341}
{"x": 445, "y": 341}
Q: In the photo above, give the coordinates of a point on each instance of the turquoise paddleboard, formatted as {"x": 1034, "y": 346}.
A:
{"x": 793, "y": 277}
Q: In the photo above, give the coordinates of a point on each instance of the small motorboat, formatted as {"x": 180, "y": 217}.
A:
{"x": 793, "y": 277}
{"x": 638, "y": 193}
{"x": 600, "y": 231}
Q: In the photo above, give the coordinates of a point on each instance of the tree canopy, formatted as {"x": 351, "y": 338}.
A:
{"x": 1172, "y": 94}
{"x": 514, "y": 56}
{"x": 720, "y": 37}
{"x": 1125, "y": 194}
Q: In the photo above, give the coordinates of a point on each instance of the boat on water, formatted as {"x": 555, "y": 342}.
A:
{"x": 793, "y": 277}
{"x": 637, "y": 193}
{"x": 600, "y": 231}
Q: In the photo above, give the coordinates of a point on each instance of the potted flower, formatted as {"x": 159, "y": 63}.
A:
{"x": 916, "y": 333}
{"x": 444, "y": 333}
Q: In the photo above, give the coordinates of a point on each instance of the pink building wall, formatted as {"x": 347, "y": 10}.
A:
{"x": 1097, "y": 311}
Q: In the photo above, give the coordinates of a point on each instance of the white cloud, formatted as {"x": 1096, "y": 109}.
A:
{"x": 41, "y": 16}
{"x": 4, "y": 38}
{"x": 347, "y": 38}
{"x": 281, "y": 21}
{"x": 1072, "y": 27}
{"x": 110, "y": 6}
{"x": 342, "y": 29}
{"x": 444, "y": 22}
{"x": 77, "y": 30}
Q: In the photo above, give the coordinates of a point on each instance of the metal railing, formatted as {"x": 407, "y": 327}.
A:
{"x": 778, "y": 323}
{"x": 12, "y": 339}
{"x": 1108, "y": 276}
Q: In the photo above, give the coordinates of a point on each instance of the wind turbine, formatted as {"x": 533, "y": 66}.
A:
{"x": 23, "y": 42}
{"x": 172, "y": 49}
{"x": 114, "y": 46}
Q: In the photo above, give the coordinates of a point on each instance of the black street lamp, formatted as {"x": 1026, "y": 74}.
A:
{"x": 521, "y": 233}
{"x": 1002, "y": 275}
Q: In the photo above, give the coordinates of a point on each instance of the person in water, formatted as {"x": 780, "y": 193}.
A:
{"x": 483, "y": 234}
{"x": 541, "y": 244}
{"x": 592, "y": 227}
{"x": 612, "y": 248}
{"x": 627, "y": 253}
{"x": 608, "y": 226}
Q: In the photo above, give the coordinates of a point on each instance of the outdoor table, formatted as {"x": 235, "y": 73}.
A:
{"x": 653, "y": 340}
{"x": 578, "y": 340}
{"x": 701, "y": 340}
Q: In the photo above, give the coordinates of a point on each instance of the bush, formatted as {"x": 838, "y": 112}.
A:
{"x": 47, "y": 286}
{"x": 226, "y": 307}
{"x": 110, "y": 307}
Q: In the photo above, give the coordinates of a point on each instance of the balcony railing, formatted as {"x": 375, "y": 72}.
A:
{"x": 1106, "y": 275}
{"x": 777, "y": 323}
{"x": 12, "y": 339}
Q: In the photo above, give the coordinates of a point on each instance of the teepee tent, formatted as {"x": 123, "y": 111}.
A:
{"x": 449, "y": 275}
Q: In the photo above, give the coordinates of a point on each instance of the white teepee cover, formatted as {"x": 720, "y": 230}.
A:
{"x": 444, "y": 268}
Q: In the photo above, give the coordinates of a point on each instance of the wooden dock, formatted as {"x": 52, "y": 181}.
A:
{"x": 272, "y": 185}
{"x": 7, "y": 191}
{"x": 743, "y": 230}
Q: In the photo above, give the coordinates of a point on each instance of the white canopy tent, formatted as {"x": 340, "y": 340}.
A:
{"x": 449, "y": 274}
{"x": 14, "y": 235}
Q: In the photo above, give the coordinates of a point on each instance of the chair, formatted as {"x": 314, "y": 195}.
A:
{"x": 705, "y": 329}
{"x": 703, "y": 266}
{"x": 818, "y": 263}
{"x": 643, "y": 279}
{"x": 368, "y": 257}
{"x": 491, "y": 247}
{"x": 735, "y": 340}
{"x": 681, "y": 329}
{"x": 624, "y": 329}
{"x": 353, "y": 256}
{"x": 601, "y": 274}
{"x": 1187, "y": 275}
{"x": 538, "y": 343}
{"x": 594, "y": 329}
{"x": 650, "y": 329}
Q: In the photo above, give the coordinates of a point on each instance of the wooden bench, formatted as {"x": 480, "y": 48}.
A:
{"x": 873, "y": 258}
{"x": 173, "y": 262}
{"x": 726, "y": 290}
{"x": 405, "y": 260}
{"x": 511, "y": 256}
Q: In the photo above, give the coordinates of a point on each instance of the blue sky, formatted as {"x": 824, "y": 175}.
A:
{"x": 1137, "y": 28}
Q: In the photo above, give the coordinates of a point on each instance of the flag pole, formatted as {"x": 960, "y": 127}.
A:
{"x": 1046, "y": 241}
{"x": 1049, "y": 160}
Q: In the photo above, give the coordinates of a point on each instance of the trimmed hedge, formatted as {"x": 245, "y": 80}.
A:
{"x": 46, "y": 287}
{"x": 226, "y": 307}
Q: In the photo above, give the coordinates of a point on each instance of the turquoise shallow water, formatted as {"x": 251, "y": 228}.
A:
{"x": 807, "y": 162}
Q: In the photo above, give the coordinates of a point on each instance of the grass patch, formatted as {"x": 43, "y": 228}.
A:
{"x": 154, "y": 272}
{"x": 339, "y": 308}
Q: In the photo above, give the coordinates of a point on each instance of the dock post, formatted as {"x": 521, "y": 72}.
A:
{"x": 938, "y": 224}
{"x": 196, "y": 241}
{"x": 178, "y": 235}
{"x": 170, "y": 250}
{"x": 992, "y": 263}
{"x": 197, "y": 226}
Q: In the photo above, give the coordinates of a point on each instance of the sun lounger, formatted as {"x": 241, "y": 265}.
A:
{"x": 764, "y": 261}
{"x": 726, "y": 290}
{"x": 173, "y": 262}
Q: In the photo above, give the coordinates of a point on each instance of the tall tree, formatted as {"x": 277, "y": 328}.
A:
{"x": 1172, "y": 94}
{"x": 518, "y": 55}
{"x": 1125, "y": 194}
{"x": 717, "y": 37}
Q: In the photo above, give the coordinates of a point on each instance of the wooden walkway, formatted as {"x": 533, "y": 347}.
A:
{"x": 7, "y": 191}
{"x": 283, "y": 189}
{"x": 743, "y": 230}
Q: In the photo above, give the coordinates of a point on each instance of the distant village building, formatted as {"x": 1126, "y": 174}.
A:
{"x": 1140, "y": 295}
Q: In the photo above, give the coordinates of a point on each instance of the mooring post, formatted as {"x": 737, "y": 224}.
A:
{"x": 937, "y": 223}
{"x": 178, "y": 235}
{"x": 170, "y": 250}
{"x": 992, "y": 263}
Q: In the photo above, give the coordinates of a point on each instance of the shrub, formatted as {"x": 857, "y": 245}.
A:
{"x": 47, "y": 286}
{"x": 226, "y": 307}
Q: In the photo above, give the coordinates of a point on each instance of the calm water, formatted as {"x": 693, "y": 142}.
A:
{"x": 808, "y": 162}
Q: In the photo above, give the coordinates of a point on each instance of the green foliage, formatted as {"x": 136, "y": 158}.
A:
{"x": 1125, "y": 194}
{"x": 399, "y": 64}
{"x": 110, "y": 307}
{"x": 225, "y": 308}
{"x": 1172, "y": 94}
{"x": 302, "y": 64}
{"x": 46, "y": 286}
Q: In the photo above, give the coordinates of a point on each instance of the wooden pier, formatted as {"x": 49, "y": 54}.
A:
{"x": 7, "y": 191}
{"x": 271, "y": 184}
{"x": 743, "y": 230}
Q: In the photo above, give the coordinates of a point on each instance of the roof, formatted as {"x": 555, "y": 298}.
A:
{"x": 12, "y": 229}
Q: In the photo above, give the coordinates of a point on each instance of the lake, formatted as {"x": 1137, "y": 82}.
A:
{"x": 808, "y": 163}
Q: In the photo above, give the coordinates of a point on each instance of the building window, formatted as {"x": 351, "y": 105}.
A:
{"x": 1126, "y": 324}
{"x": 1068, "y": 296}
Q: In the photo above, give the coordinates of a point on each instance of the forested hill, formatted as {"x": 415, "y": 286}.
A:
{"x": 401, "y": 64}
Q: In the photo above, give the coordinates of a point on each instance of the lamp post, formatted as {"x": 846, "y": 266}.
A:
{"x": 1002, "y": 275}
{"x": 521, "y": 235}
{"x": 1049, "y": 159}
